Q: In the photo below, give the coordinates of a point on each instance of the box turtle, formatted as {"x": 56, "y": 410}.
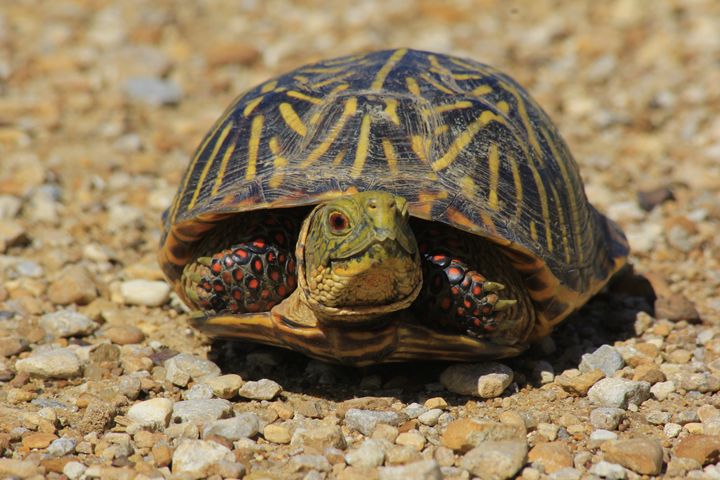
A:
{"x": 386, "y": 207}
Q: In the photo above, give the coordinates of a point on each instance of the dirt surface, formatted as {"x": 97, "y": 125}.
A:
{"x": 101, "y": 106}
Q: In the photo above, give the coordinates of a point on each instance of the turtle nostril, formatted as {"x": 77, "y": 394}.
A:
{"x": 372, "y": 204}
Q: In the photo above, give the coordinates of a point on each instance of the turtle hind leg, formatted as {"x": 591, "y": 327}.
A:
{"x": 469, "y": 287}
{"x": 245, "y": 265}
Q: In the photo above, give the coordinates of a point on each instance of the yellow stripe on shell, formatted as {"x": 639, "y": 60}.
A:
{"x": 481, "y": 90}
{"x": 522, "y": 111}
{"x": 453, "y": 106}
{"x": 467, "y": 76}
{"x": 269, "y": 86}
{"x": 362, "y": 147}
{"x": 435, "y": 84}
{"x": 494, "y": 167}
{"x": 419, "y": 144}
{"x": 412, "y": 85}
{"x": 250, "y": 106}
{"x": 279, "y": 163}
{"x": 440, "y": 129}
{"x": 348, "y": 111}
{"x": 329, "y": 81}
{"x": 468, "y": 187}
{"x": 390, "y": 156}
{"x": 302, "y": 96}
{"x": 464, "y": 139}
{"x": 208, "y": 164}
{"x": 253, "y": 146}
{"x": 293, "y": 120}
{"x": 533, "y": 231}
{"x": 382, "y": 74}
{"x": 563, "y": 228}
{"x": 391, "y": 110}
{"x": 437, "y": 67}
{"x": 503, "y": 106}
{"x": 542, "y": 193}
{"x": 339, "y": 157}
{"x": 223, "y": 166}
{"x": 517, "y": 181}
{"x": 301, "y": 78}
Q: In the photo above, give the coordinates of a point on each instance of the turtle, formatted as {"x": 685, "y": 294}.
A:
{"x": 390, "y": 206}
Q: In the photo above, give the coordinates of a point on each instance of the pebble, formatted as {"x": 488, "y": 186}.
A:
{"x": 609, "y": 471}
{"x": 701, "y": 448}
{"x": 145, "y": 292}
{"x": 553, "y": 456}
{"x": 605, "y": 358}
{"x": 597, "y": 437}
{"x": 154, "y": 92}
{"x": 38, "y": 440}
{"x": 316, "y": 436}
{"x": 67, "y": 323}
{"x": 370, "y": 453}
{"x": 641, "y": 455}
{"x": 74, "y": 470}
{"x": 464, "y": 434}
{"x": 199, "y": 391}
{"x": 243, "y": 425}
{"x": 263, "y": 389}
{"x": 607, "y": 418}
{"x": 414, "y": 410}
{"x": 73, "y": 285}
{"x": 579, "y": 384}
{"x": 618, "y": 392}
{"x": 421, "y": 470}
{"x": 123, "y": 334}
{"x": 484, "y": 380}
{"x": 277, "y": 433}
{"x": 662, "y": 390}
{"x": 676, "y": 307}
{"x": 61, "y": 447}
{"x": 200, "y": 411}
{"x": 401, "y": 454}
{"x": 11, "y": 234}
{"x": 183, "y": 367}
{"x": 12, "y": 345}
{"x": 435, "y": 402}
{"x": 198, "y": 458}
{"x": 495, "y": 459}
{"x": 225, "y": 386}
{"x": 309, "y": 462}
{"x": 58, "y": 363}
{"x": 430, "y": 418}
{"x": 12, "y": 468}
{"x": 413, "y": 439}
{"x": 365, "y": 421}
{"x": 154, "y": 413}
{"x": 649, "y": 199}
{"x": 648, "y": 372}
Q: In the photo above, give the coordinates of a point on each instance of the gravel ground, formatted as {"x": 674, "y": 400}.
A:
{"x": 102, "y": 103}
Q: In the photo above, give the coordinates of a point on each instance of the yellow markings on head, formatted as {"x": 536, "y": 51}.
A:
{"x": 250, "y": 106}
{"x": 302, "y": 96}
{"x": 453, "y": 106}
{"x": 517, "y": 181}
{"x": 419, "y": 145}
{"x": 331, "y": 80}
{"x": 563, "y": 228}
{"x": 425, "y": 76}
{"x": 287, "y": 112}
{"x": 223, "y": 166}
{"x": 253, "y": 146}
{"x": 362, "y": 147}
{"x": 382, "y": 74}
{"x": 482, "y": 90}
{"x": 494, "y": 167}
{"x": 439, "y": 130}
{"x": 467, "y": 186}
{"x": 412, "y": 85}
{"x": 208, "y": 163}
{"x": 269, "y": 86}
{"x": 279, "y": 163}
{"x": 390, "y": 156}
{"x": 464, "y": 139}
{"x": 503, "y": 106}
{"x": 348, "y": 111}
{"x": 339, "y": 157}
{"x": 533, "y": 231}
{"x": 391, "y": 110}
{"x": 543, "y": 204}
{"x": 522, "y": 111}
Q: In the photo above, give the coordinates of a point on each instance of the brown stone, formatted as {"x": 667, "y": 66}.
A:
{"x": 705, "y": 449}
{"x": 552, "y": 456}
{"x": 641, "y": 455}
{"x": 38, "y": 440}
{"x": 13, "y": 345}
{"x": 676, "y": 307}
{"x": 464, "y": 434}
{"x": 364, "y": 403}
{"x": 56, "y": 464}
{"x": 648, "y": 372}
{"x": 123, "y": 334}
{"x": 162, "y": 455}
{"x": 73, "y": 285}
{"x": 580, "y": 384}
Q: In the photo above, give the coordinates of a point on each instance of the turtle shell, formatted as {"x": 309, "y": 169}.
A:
{"x": 462, "y": 142}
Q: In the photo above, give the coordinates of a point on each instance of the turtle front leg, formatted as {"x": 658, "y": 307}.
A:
{"x": 247, "y": 265}
{"x": 468, "y": 286}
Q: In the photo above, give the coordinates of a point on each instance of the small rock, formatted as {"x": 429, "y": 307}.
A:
{"x": 649, "y": 199}
{"x": 67, "y": 323}
{"x": 672, "y": 430}
{"x": 422, "y": 470}
{"x": 365, "y": 421}
{"x": 675, "y": 308}
{"x": 413, "y": 439}
{"x": 704, "y": 449}
{"x": 162, "y": 454}
{"x": 200, "y": 411}
{"x": 678, "y": 467}
{"x": 74, "y": 470}
{"x": 244, "y": 425}
{"x": 618, "y": 392}
{"x": 648, "y": 372}
{"x": 316, "y": 436}
{"x": 123, "y": 334}
{"x": 430, "y": 418}
{"x": 495, "y": 460}
{"x": 464, "y": 434}
{"x": 11, "y": 233}
{"x": 579, "y": 384}
{"x": 197, "y": 458}
{"x": 225, "y": 386}
{"x": 153, "y": 91}
{"x": 641, "y": 455}
{"x": 702, "y": 382}
{"x": 145, "y": 292}
{"x": 435, "y": 402}
{"x": 58, "y": 363}
{"x": 277, "y": 433}
{"x": 553, "y": 456}
{"x": 662, "y": 390}
{"x": 199, "y": 391}
{"x": 263, "y": 389}
{"x": 74, "y": 285}
{"x": 309, "y": 462}
{"x": 154, "y": 413}
{"x": 183, "y": 367}
{"x": 12, "y": 468}
{"x": 484, "y": 380}
{"x": 401, "y": 454}
{"x": 610, "y": 471}
{"x": 370, "y": 454}
{"x": 38, "y": 440}
{"x": 605, "y": 358}
{"x": 12, "y": 345}
{"x": 61, "y": 447}
{"x": 598, "y": 437}
{"x": 414, "y": 410}
{"x": 607, "y": 418}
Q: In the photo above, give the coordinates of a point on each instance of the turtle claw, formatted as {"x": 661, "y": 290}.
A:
{"x": 492, "y": 286}
{"x": 206, "y": 261}
{"x": 503, "y": 305}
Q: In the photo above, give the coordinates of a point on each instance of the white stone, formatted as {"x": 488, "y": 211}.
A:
{"x": 58, "y": 363}
{"x": 369, "y": 454}
{"x": 145, "y": 292}
{"x": 484, "y": 380}
{"x": 618, "y": 392}
{"x": 153, "y": 413}
{"x": 672, "y": 430}
{"x": 197, "y": 458}
{"x": 74, "y": 470}
{"x": 183, "y": 367}
{"x": 430, "y": 418}
{"x": 662, "y": 390}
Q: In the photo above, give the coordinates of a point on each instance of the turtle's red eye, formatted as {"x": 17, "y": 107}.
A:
{"x": 339, "y": 222}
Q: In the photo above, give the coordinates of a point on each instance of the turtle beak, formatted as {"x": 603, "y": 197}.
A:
{"x": 389, "y": 218}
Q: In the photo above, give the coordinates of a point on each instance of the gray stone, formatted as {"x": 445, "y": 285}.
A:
{"x": 129, "y": 385}
{"x": 61, "y": 446}
{"x": 309, "y": 462}
{"x": 605, "y": 358}
{"x": 153, "y": 91}
{"x": 610, "y": 471}
{"x": 67, "y": 323}
{"x": 495, "y": 460}
{"x": 199, "y": 391}
{"x": 618, "y": 392}
{"x": 422, "y": 470}
{"x": 198, "y": 458}
{"x": 607, "y": 418}
{"x": 370, "y": 454}
{"x": 74, "y": 470}
{"x": 153, "y": 413}
{"x": 567, "y": 473}
{"x": 28, "y": 268}
{"x": 201, "y": 411}
{"x": 244, "y": 425}
{"x": 414, "y": 410}
{"x": 263, "y": 389}
{"x": 365, "y": 421}
{"x": 181, "y": 368}
{"x": 431, "y": 417}
{"x": 58, "y": 363}
{"x": 484, "y": 380}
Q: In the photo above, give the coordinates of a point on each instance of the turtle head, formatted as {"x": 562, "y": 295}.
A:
{"x": 360, "y": 257}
